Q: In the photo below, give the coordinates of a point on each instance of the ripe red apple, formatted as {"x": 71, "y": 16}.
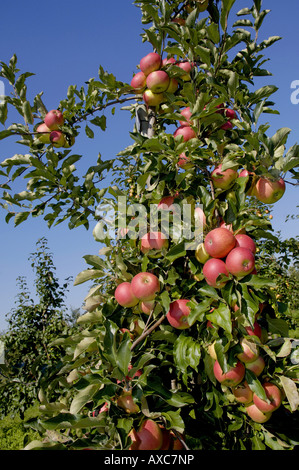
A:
{"x": 157, "y": 81}
{"x": 213, "y": 268}
{"x": 232, "y": 377}
{"x": 268, "y": 191}
{"x": 178, "y": 313}
{"x": 186, "y": 113}
{"x": 145, "y": 286}
{"x": 54, "y": 119}
{"x": 245, "y": 241}
{"x": 186, "y": 131}
{"x": 226, "y": 126}
{"x": 57, "y": 139}
{"x": 273, "y": 394}
{"x": 153, "y": 241}
{"x": 219, "y": 242}
{"x": 124, "y": 295}
{"x": 166, "y": 441}
{"x": 200, "y": 253}
{"x": 166, "y": 203}
{"x": 187, "y": 67}
{"x": 152, "y": 99}
{"x": 257, "y": 415}
{"x": 256, "y": 331}
{"x": 200, "y": 216}
{"x": 223, "y": 179}
{"x": 250, "y": 351}
{"x": 138, "y": 82}
{"x": 147, "y": 306}
{"x": 240, "y": 261}
{"x": 243, "y": 393}
{"x": 43, "y": 133}
{"x": 168, "y": 61}
{"x": 148, "y": 437}
{"x": 150, "y": 63}
{"x": 257, "y": 366}
{"x": 126, "y": 402}
{"x": 230, "y": 113}
{"x": 184, "y": 161}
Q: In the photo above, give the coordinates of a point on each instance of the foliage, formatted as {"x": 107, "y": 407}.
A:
{"x": 31, "y": 326}
{"x": 14, "y": 434}
{"x": 176, "y": 385}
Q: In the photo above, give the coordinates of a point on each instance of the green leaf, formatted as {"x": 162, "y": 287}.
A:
{"x": 177, "y": 251}
{"x": 225, "y": 9}
{"x": 221, "y": 316}
{"x": 88, "y": 275}
{"x": 291, "y": 391}
{"x": 83, "y": 396}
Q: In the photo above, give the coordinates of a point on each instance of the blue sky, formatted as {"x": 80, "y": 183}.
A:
{"x": 64, "y": 43}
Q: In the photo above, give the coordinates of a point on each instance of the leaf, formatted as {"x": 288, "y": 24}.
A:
{"x": 83, "y": 396}
{"x": 291, "y": 392}
{"x": 177, "y": 251}
{"x": 255, "y": 385}
{"x": 225, "y": 9}
{"x": 174, "y": 421}
{"x": 88, "y": 275}
{"x": 221, "y": 316}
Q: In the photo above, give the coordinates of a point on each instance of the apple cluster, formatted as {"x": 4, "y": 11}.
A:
{"x": 48, "y": 132}
{"x": 142, "y": 289}
{"x": 152, "y": 436}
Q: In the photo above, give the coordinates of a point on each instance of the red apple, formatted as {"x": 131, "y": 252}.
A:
{"x": 43, "y": 133}
{"x": 273, "y": 394}
{"x": 57, "y": 139}
{"x": 148, "y": 437}
{"x": 124, "y": 296}
{"x": 168, "y": 60}
{"x": 153, "y": 241}
{"x": 138, "y": 82}
{"x": 186, "y": 131}
{"x": 186, "y": 113}
{"x": 257, "y": 366}
{"x": 212, "y": 269}
{"x": 256, "y": 331}
{"x": 54, "y": 119}
{"x": 226, "y": 126}
{"x": 257, "y": 415}
{"x": 187, "y": 67}
{"x": 184, "y": 161}
{"x": 245, "y": 241}
{"x": 232, "y": 377}
{"x": 230, "y": 113}
{"x": 240, "y": 261}
{"x": 145, "y": 286}
{"x": 150, "y": 63}
{"x": 178, "y": 313}
{"x": 243, "y": 393}
{"x": 268, "y": 191}
{"x": 166, "y": 203}
{"x": 223, "y": 179}
{"x": 219, "y": 242}
{"x": 250, "y": 351}
{"x": 200, "y": 216}
{"x": 126, "y": 402}
{"x": 147, "y": 306}
{"x": 152, "y": 99}
{"x": 157, "y": 81}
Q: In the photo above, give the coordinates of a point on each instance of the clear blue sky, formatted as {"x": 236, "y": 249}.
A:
{"x": 64, "y": 43}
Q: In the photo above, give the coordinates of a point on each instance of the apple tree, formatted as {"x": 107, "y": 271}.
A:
{"x": 181, "y": 345}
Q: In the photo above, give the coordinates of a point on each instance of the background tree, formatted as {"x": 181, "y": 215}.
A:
{"x": 32, "y": 325}
{"x": 136, "y": 368}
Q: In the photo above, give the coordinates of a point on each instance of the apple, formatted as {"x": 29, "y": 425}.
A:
{"x": 138, "y": 82}
{"x": 147, "y": 306}
{"x": 166, "y": 441}
{"x": 256, "y": 331}
{"x": 245, "y": 241}
{"x": 257, "y": 366}
{"x": 168, "y": 61}
{"x": 232, "y": 377}
{"x": 200, "y": 253}
{"x": 157, "y": 81}
{"x": 219, "y": 242}
{"x": 166, "y": 203}
{"x": 226, "y": 126}
{"x": 250, "y": 351}
{"x": 148, "y": 437}
{"x": 184, "y": 161}
{"x": 152, "y": 99}
{"x": 153, "y": 241}
{"x": 240, "y": 261}
{"x": 150, "y": 63}
{"x": 145, "y": 286}
{"x": 126, "y": 402}
{"x": 187, "y": 67}
{"x": 186, "y": 113}
{"x": 213, "y": 268}
{"x": 230, "y": 113}
{"x": 178, "y": 313}
{"x": 243, "y": 393}
{"x": 124, "y": 295}
{"x": 273, "y": 395}
{"x": 211, "y": 348}
{"x": 257, "y": 415}
{"x": 173, "y": 85}
{"x": 268, "y": 191}
{"x": 223, "y": 179}
{"x": 54, "y": 119}
{"x": 57, "y": 139}
{"x": 44, "y": 133}
{"x": 186, "y": 131}
{"x": 200, "y": 216}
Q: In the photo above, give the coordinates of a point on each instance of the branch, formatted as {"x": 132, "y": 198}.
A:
{"x": 147, "y": 332}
